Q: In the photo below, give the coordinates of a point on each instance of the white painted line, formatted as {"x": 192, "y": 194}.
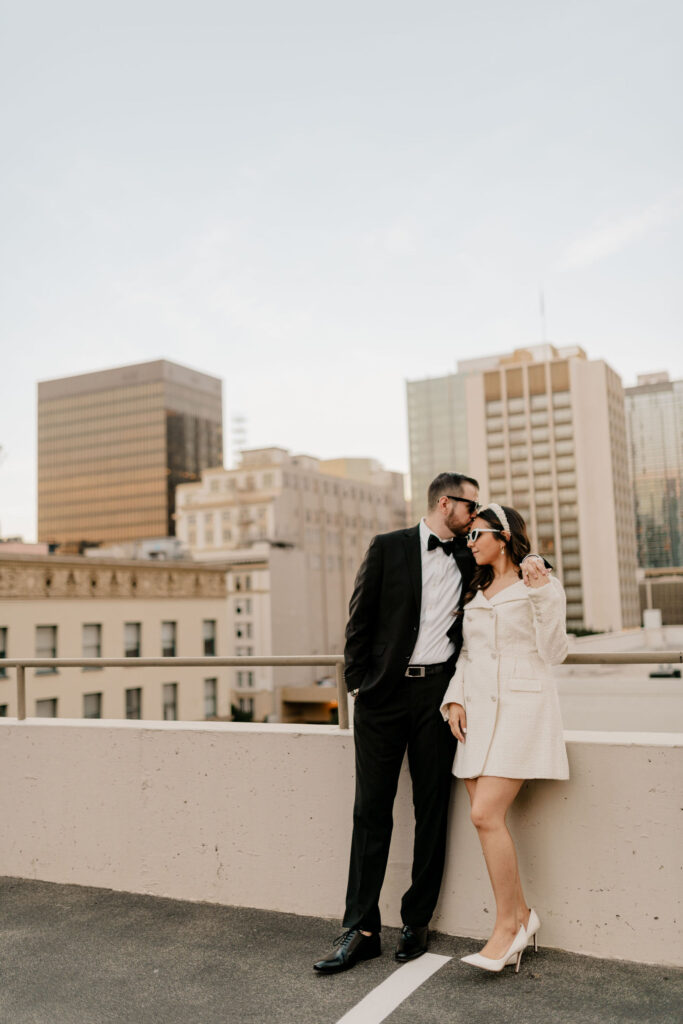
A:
{"x": 384, "y": 999}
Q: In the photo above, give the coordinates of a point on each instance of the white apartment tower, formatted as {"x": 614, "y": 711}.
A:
{"x": 543, "y": 430}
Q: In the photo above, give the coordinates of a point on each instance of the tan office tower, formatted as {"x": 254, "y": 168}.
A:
{"x": 113, "y": 445}
{"x": 545, "y": 432}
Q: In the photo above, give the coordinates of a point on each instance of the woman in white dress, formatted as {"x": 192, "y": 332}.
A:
{"x": 502, "y": 706}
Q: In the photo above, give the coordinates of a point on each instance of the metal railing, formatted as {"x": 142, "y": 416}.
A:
{"x": 307, "y": 660}
{"x": 628, "y": 658}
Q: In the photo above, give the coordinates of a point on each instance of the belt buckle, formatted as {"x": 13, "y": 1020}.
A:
{"x": 416, "y": 671}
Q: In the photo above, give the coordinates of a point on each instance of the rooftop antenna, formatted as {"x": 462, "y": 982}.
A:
{"x": 238, "y": 430}
{"x": 541, "y": 307}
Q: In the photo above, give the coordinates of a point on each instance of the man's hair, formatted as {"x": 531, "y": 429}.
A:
{"x": 447, "y": 483}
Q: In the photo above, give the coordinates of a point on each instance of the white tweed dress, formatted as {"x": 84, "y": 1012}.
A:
{"x": 502, "y": 678}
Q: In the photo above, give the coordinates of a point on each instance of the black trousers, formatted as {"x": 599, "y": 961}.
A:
{"x": 409, "y": 721}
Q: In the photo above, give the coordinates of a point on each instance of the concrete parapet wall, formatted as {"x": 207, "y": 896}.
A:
{"x": 260, "y": 816}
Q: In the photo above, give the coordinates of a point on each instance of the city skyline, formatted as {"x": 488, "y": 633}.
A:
{"x": 316, "y": 206}
{"x": 24, "y": 512}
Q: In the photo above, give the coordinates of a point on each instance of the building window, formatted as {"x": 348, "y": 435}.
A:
{"x": 46, "y": 647}
{"x": 210, "y": 698}
{"x": 3, "y": 710}
{"x": 246, "y": 705}
{"x": 209, "y": 637}
{"x": 92, "y": 640}
{"x": 46, "y": 708}
{"x": 3, "y": 649}
{"x": 247, "y": 582}
{"x": 170, "y": 702}
{"x": 168, "y": 639}
{"x": 132, "y": 639}
{"x": 134, "y": 703}
{"x": 92, "y": 705}
{"x": 245, "y": 680}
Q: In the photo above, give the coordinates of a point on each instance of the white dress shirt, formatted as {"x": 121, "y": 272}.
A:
{"x": 441, "y": 585}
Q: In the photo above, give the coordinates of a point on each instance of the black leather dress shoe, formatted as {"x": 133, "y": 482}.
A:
{"x": 412, "y": 943}
{"x": 350, "y": 947}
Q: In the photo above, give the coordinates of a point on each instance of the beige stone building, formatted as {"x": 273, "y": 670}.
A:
{"x": 113, "y": 445}
{"x": 293, "y": 530}
{"x": 72, "y": 607}
{"x": 543, "y": 430}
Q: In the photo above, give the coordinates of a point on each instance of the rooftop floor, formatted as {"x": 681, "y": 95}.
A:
{"x": 76, "y": 955}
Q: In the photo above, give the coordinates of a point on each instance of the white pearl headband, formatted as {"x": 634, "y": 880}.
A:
{"x": 498, "y": 512}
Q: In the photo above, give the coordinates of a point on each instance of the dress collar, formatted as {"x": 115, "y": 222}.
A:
{"x": 514, "y": 592}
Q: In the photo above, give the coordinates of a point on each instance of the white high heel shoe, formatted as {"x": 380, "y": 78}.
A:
{"x": 511, "y": 955}
{"x": 532, "y": 928}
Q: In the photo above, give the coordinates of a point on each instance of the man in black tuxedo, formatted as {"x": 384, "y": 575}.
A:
{"x": 402, "y": 641}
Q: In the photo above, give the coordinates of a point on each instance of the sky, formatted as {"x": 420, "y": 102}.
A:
{"x": 319, "y": 201}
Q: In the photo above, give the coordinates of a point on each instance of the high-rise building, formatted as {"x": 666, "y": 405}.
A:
{"x": 654, "y": 417}
{"x": 542, "y": 430}
{"x": 293, "y": 530}
{"x": 113, "y": 445}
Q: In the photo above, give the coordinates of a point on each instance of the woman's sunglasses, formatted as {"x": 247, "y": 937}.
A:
{"x": 473, "y": 535}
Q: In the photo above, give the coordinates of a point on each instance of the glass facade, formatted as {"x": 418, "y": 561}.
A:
{"x": 437, "y": 425}
{"x": 654, "y": 414}
{"x": 112, "y": 446}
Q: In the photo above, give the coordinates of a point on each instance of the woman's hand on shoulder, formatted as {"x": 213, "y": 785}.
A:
{"x": 534, "y": 571}
{"x": 457, "y": 720}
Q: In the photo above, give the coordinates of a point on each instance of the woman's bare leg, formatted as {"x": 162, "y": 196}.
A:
{"x": 491, "y": 799}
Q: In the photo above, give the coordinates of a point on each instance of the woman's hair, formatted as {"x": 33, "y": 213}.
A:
{"x": 517, "y": 547}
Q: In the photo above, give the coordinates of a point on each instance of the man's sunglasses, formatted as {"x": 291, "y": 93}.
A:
{"x": 473, "y": 535}
{"x": 472, "y": 506}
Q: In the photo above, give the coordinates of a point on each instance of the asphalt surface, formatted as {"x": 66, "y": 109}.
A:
{"x": 76, "y": 955}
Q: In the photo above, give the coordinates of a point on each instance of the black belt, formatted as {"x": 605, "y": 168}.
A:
{"x": 420, "y": 671}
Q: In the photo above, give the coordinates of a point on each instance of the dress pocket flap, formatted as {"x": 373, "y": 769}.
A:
{"x": 523, "y": 676}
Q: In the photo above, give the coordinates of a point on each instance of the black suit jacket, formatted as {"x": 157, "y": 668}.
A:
{"x": 384, "y": 613}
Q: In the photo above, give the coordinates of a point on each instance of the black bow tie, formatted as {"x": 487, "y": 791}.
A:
{"x": 434, "y": 542}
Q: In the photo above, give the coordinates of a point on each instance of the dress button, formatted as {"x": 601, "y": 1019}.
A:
{"x": 494, "y": 656}
{"x": 493, "y": 698}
